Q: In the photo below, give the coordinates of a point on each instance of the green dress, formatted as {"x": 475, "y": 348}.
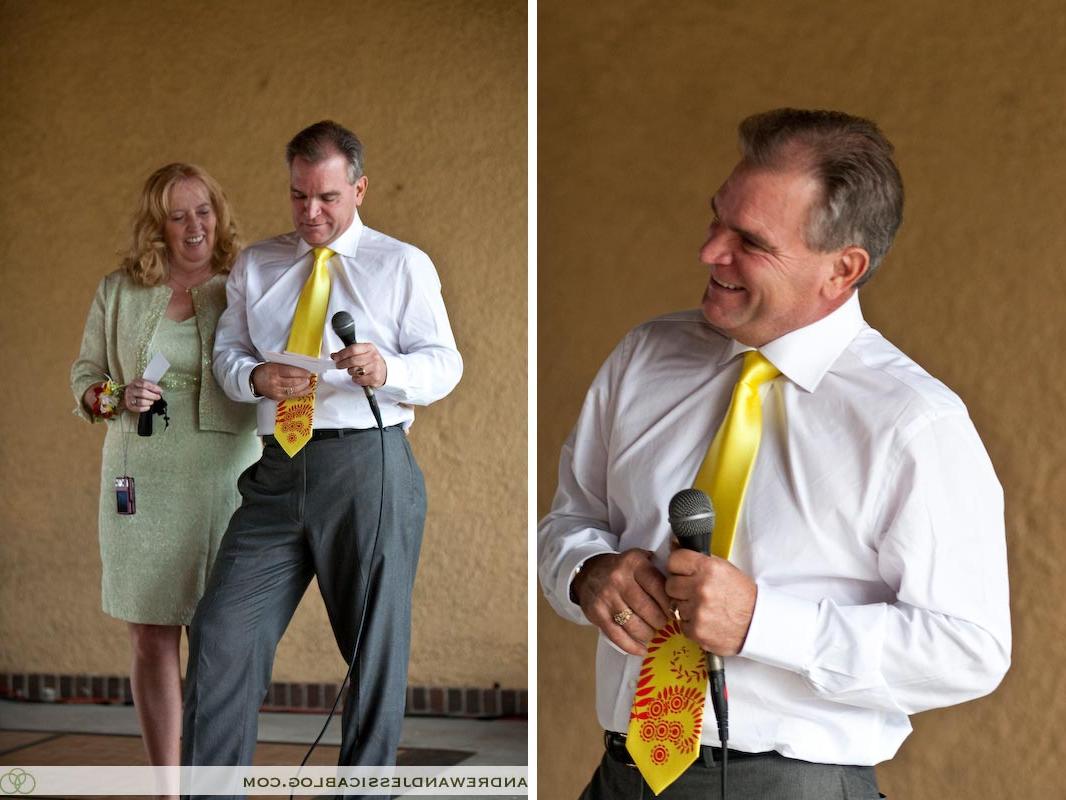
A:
{"x": 156, "y": 562}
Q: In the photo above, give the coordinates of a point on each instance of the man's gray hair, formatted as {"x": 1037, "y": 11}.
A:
{"x": 862, "y": 191}
{"x": 321, "y": 140}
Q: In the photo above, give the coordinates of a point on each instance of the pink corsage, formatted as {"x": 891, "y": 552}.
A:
{"x": 106, "y": 399}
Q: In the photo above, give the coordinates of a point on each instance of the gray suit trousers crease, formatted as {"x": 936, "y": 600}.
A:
{"x": 770, "y": 777}
{"x": 313, "y": 515}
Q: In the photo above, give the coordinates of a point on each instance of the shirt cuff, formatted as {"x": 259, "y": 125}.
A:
{"x": 395, "y": 377}
{"x": 570, "y": 567}
{"x": 245, "y": 383}
{"x": 782, "y": 631}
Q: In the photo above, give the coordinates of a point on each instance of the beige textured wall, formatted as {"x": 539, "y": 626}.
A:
{"x": 638, "y": 104}
{"x": 95, "y": 96}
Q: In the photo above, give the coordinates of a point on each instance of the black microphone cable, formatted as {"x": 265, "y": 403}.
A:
{"x": 342, "y": 321}
{"x": 692, "y": 521}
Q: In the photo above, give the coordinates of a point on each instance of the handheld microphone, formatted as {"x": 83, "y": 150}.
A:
{"x": 344, "y": 327}
{"x": 692, "y": 521}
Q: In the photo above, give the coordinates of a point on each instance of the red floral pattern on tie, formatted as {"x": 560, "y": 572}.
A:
{"x": 671, "y": 715}
{"x": 296, "y": 415}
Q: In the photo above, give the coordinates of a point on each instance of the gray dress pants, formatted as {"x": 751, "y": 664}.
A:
{"x": 765, "y": 777}
{"x": 313, "y": 515}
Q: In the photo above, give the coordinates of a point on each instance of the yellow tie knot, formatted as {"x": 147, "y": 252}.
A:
{"x": 757, "y": 370}
{"x": 322, "y": 255}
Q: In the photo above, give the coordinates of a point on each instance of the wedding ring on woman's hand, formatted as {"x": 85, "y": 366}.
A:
{"x": 288, "y": 391}
{"x": 360, "y": 371}
{"x": 623, "y": 616}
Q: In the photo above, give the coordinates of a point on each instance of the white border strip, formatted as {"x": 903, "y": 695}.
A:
{"x": 467, "y": 781}
{"x": 532, "y": 588}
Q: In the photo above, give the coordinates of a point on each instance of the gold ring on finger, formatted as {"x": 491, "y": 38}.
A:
{"x": 623, "y": 616}
{"x": 360, "y": 371}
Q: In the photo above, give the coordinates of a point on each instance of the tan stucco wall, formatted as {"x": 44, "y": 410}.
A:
{"x": 638, "y": 105}
{"x": 95, "y": 96}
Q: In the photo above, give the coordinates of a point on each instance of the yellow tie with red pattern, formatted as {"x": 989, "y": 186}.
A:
{"x": 666, "y": 720}
{"x": 295, "y": 415}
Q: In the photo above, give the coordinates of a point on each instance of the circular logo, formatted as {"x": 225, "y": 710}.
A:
{"x": 17, "y": 781}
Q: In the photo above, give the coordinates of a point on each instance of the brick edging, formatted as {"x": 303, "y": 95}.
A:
{"x": 435, "y": 701}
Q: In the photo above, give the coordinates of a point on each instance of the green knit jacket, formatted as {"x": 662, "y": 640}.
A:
{"x": 123, "y": 320}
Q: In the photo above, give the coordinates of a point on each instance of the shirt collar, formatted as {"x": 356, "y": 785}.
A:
{"x": 344, "y": 245}
{"x": 806, "y": 354}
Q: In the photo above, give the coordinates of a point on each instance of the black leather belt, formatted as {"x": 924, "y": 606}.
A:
{"x": 320, "y": 433}
{"x": 616, "y": 749}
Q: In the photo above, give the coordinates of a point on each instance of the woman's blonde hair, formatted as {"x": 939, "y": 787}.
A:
{"x": 146, "y": 260}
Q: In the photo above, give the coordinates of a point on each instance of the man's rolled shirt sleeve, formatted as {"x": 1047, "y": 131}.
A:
{"x": 235, "y": 356}
{"x": 578, "y": 526}
{"x": 946, "y": 636}
{"x": 428, "y": 365}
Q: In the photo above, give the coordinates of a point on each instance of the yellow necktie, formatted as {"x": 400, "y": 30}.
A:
{"x": 727, "y": 466}
{"x": 295, "y": 415}
{"x": 666, "y": 720}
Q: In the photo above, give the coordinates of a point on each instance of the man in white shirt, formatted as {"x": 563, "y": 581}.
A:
{"x": 868, "y": 575}
{"x": 348, "y": 506}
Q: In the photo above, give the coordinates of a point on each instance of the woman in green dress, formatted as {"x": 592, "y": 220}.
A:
{"x": 165, "y": 299}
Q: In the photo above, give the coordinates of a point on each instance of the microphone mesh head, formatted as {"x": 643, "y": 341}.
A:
{"x": 343, "y": 323}
{"x": 691, "y": 513}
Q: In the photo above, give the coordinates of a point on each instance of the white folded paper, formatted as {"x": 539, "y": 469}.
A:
{"x": 310, "y": 363}
{"x": 156, "y": 368}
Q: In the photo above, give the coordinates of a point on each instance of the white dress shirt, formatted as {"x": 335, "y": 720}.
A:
{"x": 392, "y": 292}
{"x": 873, "y": 526}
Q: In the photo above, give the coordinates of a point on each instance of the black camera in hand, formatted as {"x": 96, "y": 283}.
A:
{"x": 144, "y": 422}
